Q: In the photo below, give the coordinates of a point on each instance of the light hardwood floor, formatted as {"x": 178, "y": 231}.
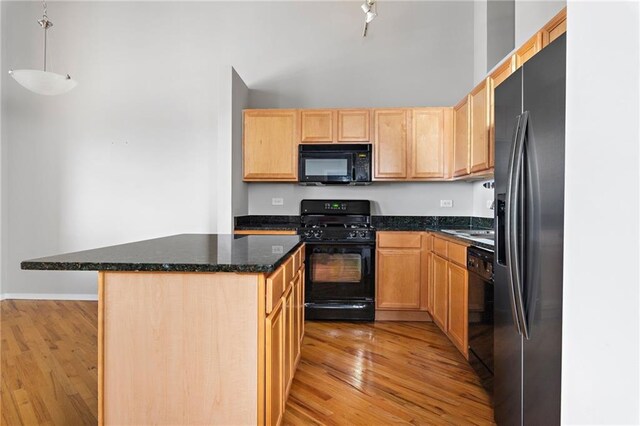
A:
{"x": 350, "y": 373}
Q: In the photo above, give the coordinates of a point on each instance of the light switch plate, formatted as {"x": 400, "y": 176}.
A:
{"x": 277, "y": 201}
{"x": 489, "y": 203}
{"x": 446, "y": 203}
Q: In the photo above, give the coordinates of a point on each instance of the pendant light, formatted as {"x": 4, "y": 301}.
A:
{"x": 370, "y": 10}
{"x": 44, "y": 82}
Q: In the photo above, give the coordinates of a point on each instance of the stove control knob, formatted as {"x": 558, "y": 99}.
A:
{"x": 317, "y": 233}
{"x": 362, "y": 234}
{"x": 352, "y": 234}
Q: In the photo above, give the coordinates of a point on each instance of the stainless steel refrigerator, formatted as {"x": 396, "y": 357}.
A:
{"x": 529, "y": 188}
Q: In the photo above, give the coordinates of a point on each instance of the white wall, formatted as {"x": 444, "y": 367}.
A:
{"x": 479, "y": 40}
{"x": 531, "y": 15}
{"x": 420, "y": 199}
{"x": 601, "y": 320}
{"x": 231, "y": 199}
{"x": 128, "y": 154}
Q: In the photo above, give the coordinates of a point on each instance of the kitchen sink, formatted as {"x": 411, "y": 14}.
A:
{"x": 475, "y": 234}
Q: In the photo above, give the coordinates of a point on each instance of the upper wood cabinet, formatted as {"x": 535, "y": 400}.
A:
{"x": 528, "y": 49}
{"x": 430, "y": 132}
{"x": 390, "y": 136}
{"x": 334, "y": 125}
{"x": 461, "y": 122}
{"x": 353, "y": 125}
{"x": 555, "y": 27}
{"x": 317, "y": 125}
{"x": 270, "y": 143}
{"x": 502, "y": 72}
{"x": 480, "y": 114}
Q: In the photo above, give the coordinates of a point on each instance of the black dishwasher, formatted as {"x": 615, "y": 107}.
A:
{"x": 480, "y": 267}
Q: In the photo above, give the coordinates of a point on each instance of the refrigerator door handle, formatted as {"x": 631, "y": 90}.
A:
{"x": 508, "y": 231}
{"x": 514, "y": 255}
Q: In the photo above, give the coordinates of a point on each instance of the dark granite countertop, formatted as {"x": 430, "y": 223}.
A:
{"x": 179, "y": 253}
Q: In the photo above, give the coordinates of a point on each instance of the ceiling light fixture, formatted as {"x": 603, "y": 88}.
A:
{"x": 370, "y": 9}
{"x": 44, "y": 82}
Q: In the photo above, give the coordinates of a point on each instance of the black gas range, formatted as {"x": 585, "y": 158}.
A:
{"x": 340, "y": 255}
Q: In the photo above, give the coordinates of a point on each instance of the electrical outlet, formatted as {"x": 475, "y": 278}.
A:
{"x": 277, "y": 201}
{"x": 277, "y": 249}
{"x": 446, "y": 203}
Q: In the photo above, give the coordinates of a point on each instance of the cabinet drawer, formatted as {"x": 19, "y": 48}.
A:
{"x": 457, "y": 254}
{"x": 299, "y": 258}
{"x": 440, "y": 247}
{"x": 275, "y": 288}
{"x": 399, "y": 239}
{"x": 288, "y": 272}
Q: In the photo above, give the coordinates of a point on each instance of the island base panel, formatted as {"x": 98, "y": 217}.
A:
{"x": 178, "y": 348}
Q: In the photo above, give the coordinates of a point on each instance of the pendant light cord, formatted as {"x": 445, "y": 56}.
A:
{"x": 45, "y": 25}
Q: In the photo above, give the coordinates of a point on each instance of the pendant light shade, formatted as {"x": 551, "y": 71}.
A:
{"x": 43, "y": 82}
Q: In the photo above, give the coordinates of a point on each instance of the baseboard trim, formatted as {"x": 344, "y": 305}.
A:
{"x": 48, "y": 296}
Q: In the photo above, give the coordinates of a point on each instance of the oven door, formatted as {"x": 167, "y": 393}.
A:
{"x": 326, "y": 167}
{"x": 339, "y": 272}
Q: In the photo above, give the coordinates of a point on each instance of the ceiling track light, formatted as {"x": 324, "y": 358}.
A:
{"x": 44, "y": 82}
{"x": 370, "y": 9}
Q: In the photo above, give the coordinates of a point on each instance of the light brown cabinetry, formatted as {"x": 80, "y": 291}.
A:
{"x": 480, "y": 149}
{"x": 440, "y": 292}
{"x": 429, "y": 144}
{"x": 449, "y": 275}
{"x": 354, "y": 125}
{"x": 275, "y": 329}
{"x": 461, "y": 138}
{"x": 270, "y": 143}
{"x": 457, "y": 319}
{"x": 528, "y": 49}
{"x": 390, "y": 137}
{"x": 402, "y": 275}
{"x": 284, "y": 330}
{"x": 317, "y": 125}
{"x": 334, "y": 125}
{"x": 555, "y": 27}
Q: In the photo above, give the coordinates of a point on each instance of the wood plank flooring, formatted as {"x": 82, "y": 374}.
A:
{"x": 382, "y": 373}
{"x": 350, "y": 373}
{"x": 49, "y": 362}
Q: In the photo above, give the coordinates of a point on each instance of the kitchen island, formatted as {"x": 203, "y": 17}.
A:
{"x": 195, "y": 328}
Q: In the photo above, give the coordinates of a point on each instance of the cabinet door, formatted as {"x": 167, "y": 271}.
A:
{"x": 461, "y": 138}
{"x": 390, "y": 143}
{"x": 440, "y": 290}
{"x": 317, "y": 125}
{"x": 458, "y": 325}
{"x": 302, "y": 284}
{"x": 398, "y": 274}
{"x": 353, "y": 125}
{"x": 427, "y": 153}
{"x": 297, "y": 305}
{"x": 270, "y": 145}
{"x": 425, "y": 295}
{"x": 274, "y": 365}
{"x": 529, "y": 49}
{"x": 289, "y": 339}
{"x": 480, "y": 112}
{"x": 555, "y": 28}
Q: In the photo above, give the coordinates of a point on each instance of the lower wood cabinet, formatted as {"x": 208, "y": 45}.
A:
{"x": 450, "y": 282}
{"x": 284, "y": 331}
{"x": 457, "y": 320}
{"x": 440, "y": 292}
{"x": 402, "y": 276}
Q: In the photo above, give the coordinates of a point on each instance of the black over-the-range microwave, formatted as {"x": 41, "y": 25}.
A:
{"x": 348, "y": 164}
